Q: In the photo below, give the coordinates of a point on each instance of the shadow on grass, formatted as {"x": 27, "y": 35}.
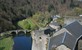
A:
{"x": 2, "y": 48}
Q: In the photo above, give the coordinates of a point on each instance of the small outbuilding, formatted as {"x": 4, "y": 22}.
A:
{"x": 54, "y": 25}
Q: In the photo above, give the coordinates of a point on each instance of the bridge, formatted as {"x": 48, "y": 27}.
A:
{"x": 15, "y": 32}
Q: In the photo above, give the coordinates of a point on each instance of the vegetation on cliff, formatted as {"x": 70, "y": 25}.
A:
{"x": 12, "y": 11}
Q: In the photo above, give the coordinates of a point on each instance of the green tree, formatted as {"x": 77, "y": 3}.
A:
{"x": 42, "y": 18}
{"x": 63, "y": 1}
{"x": 77, "y": 11}
{"x": 50, "y": 8}
{"x": 24, "y": 24}
{"x": 30, "y": 13}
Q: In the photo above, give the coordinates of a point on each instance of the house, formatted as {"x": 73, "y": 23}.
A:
{"x": 66, "y": 38}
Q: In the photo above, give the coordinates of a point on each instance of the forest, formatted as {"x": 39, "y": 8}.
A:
{"x": 12, "y": 12}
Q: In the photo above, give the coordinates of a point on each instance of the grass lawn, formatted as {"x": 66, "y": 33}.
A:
{"x": 27, "y": 23}
{"x": 31, "y": 22}
{"x": 6, "y": 44}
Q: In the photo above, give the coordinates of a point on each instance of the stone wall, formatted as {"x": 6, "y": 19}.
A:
{"x": 62, "y": 47}
{"x": 68, "y": 20}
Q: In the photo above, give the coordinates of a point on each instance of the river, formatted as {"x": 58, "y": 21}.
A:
{"x": 22, "y": 43}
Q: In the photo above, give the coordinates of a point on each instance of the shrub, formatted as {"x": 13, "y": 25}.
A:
{"x": 77, "y": 11}
{"x": 50, "y": 7}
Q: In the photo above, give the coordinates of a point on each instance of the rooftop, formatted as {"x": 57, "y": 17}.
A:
{"x": 67, "y": 36}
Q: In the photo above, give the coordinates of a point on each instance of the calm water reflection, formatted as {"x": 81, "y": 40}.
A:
{"x": 22, "y": 43}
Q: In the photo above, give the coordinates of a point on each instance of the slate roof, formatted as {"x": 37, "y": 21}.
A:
{"x": 66, "y": 36}
{"x": 75, "y": 29}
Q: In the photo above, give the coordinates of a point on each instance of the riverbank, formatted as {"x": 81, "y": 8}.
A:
{"x": 6, "y": 43}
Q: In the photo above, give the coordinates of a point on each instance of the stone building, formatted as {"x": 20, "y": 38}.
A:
{"x": 39, "y": 40}
{"x": 66, "y": 38}
{"x": 41, "y": 37}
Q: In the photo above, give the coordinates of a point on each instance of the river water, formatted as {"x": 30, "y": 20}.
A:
{"x": 22, "y": 43}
